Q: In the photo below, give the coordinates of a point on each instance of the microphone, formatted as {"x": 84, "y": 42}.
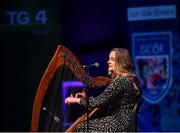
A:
{"x": 56, "y": 119}
{"x": 96, "y": 64}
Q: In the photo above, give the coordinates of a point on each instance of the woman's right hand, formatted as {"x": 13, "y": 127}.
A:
{"x": 80, "y": 95}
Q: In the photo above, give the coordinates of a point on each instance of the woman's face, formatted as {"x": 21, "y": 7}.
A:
{"x": 111, "y": 62}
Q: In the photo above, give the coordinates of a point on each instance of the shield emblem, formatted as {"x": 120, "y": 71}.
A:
{"x": 152, "y": 58}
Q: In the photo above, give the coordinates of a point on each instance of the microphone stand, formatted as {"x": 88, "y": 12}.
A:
{"x": 87, "y": 101}
{"x": 87, "y": 108}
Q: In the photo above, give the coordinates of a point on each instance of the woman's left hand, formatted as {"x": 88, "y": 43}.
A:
{"x": 72, "y": 100}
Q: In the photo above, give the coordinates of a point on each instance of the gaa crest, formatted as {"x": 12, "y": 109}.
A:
{"x": 153, "y": 63}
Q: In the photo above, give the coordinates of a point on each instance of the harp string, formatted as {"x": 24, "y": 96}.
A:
{"x": 63, "y": 74}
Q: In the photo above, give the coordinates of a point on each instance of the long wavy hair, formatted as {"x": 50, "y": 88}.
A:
{"x": 123, "y": 63}
{"x": 124, "y": 66}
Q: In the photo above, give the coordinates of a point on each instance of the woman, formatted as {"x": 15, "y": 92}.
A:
{"x": 120, "y": 97}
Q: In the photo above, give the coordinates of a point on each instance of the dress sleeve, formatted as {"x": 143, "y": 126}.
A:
{"x": 116, "y": 87}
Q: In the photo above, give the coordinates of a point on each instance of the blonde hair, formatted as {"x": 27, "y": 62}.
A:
{"x": 123, "y": 63}
{"x": 124, "y": 66}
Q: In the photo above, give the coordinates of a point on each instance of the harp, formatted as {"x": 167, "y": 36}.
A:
{"x": 64, "y": 66}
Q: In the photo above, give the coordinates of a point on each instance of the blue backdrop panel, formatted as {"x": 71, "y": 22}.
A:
{"x": 154, "y": 37}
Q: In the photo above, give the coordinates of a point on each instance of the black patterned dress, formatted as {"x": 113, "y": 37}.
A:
{"x": 120, "y": 98}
